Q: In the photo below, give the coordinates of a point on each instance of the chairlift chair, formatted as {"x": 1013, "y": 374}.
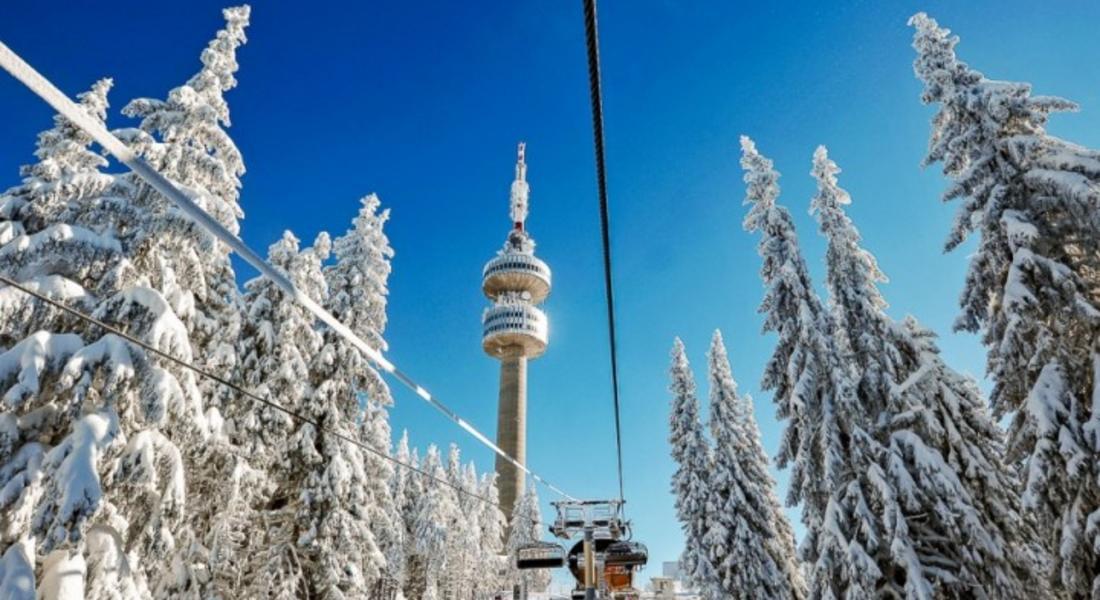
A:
{"x": 626, "y": 554}
{"x": 540, "y": 555}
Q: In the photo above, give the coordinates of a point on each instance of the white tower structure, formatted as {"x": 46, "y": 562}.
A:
{"x": 513, "y": 331}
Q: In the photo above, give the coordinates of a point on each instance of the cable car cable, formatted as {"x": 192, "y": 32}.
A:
{"x": 246, "y": 393}
{"x": 591, "y": 34}
{"x": 42, "y": 87}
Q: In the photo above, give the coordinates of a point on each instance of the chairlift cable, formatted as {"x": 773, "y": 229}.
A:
{"x": 592, "y": 38}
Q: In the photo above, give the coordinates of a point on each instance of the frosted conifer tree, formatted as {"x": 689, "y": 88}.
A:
{"x": 526, "y": 528}
{"x": 66, "y": 175}
{"x": 949, "y": 515}
{"x": 749, "y": 542}
{"x": 690, "y": 486}
{"x": 357, "y": 296}
{"x": 825, "y": 441}
{"x": 456, "y": 550}
{"x": 86, "y": 461}
{"x": 184, "y": 138}
{"x": 408, "y": 487}
{"x": 435, "y": 510}
{"x": 1031, "y": 287}
{"x": 277, "y": 349}
{"x": 359, "y": 280}
{"x": 490, "y": 576}
{"x": 468, "y": 567}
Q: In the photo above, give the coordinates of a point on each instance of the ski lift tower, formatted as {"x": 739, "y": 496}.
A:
{"x": 514, "y": 330}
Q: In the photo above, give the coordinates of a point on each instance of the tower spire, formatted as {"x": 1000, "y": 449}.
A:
{"x": 514, "y": 330}
{"x": 520, "y": 189}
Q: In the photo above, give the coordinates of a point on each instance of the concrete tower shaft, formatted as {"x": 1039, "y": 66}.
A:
{"x": 514, "y": 330}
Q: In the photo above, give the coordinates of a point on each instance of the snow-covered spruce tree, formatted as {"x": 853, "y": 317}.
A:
{"x": 825, "y": 440}
{"x": 435, "y": 510}
{"x": 526, "y": 528}
{"x": 184, "y": 138}
{"x": 94, "y": 430}
{"x": 469, "y": 567}
{"x": 462, "y": 531}
{"x": 359, "y": 280}
{"x": 492, "y": 551}
{"x": 1032, "y": 287}
{"x": 947, "y": 503}
{"x": 342, "y": 493}
{"x": 408, "y": 486}
{"x": 41, "y": 247}
{"x": 386, "y": 519}
{"x": 277, "y": 347}
{"x": 357, "y": 296}
{"x": 690, "y": 487}
{"x": 749, "y": 541}
{"x": 797, "y": 372}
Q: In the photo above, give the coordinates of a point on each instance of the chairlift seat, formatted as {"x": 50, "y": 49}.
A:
{"x": 627, "y": 554}
{"x": 540, "y": 555}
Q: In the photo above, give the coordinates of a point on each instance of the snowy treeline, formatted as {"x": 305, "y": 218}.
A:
{"x": 123, "y": 475}
{"x": 739, "y": 542}
{"x": 907, "y": 485}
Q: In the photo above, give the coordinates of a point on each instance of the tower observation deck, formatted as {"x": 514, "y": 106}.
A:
{"x": 514, "y": 330}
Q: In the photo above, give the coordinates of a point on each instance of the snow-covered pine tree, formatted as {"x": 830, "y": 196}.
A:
{"x": 493, "y": 563}
{"x": 526, "y": 528}
{"x": 359, "y": 280}
{"x": 408, "y": 487}
{"x": 341, "y": 494}
{"x": 825, "y": 441}
{"x": 184, "y": 138}
{"x": 1032, "y": 287}
{"x": 39, "y": 244}
{"x": 749, "y": 541}
{"x": 455, "y": 552}
{"x": 959, "y": 501}
{"x": 66, "y": 175}
{"x": 357, "y": 296}
{"x": 386, "y": 519}
{"x": 277, "y": 348}
{"x": 690, "y": 487}
{"x": 949, "y": 515}
{"x": 435, "y": 510}
{"x": 467, "y": 567}
{"x": 90, "y": 454}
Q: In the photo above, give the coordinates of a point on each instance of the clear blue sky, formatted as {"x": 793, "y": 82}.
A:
{"x": 423, "y": 102}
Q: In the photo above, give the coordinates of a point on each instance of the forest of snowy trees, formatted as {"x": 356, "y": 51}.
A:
{"x": 908, "y": 485}
{"x": 124, "y": 475}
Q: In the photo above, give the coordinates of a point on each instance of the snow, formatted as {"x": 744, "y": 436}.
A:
{"x": 57, "y": 287}
{"x": 111, "y": 351}
{"x": 76, "y": 489}
{"x": 9, "y": 230}
{"x": 22, "y": 367}
{"x": 56, "y": 235}
{"x": 63, "y": 576}
{"x": 163, "y": 330}
{"x": 17, "y": 571}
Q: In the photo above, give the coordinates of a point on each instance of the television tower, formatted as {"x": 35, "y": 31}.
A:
{"x": 514, "y": 330}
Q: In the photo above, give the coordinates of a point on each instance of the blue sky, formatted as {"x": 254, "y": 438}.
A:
{"x": 423, "y": 102}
